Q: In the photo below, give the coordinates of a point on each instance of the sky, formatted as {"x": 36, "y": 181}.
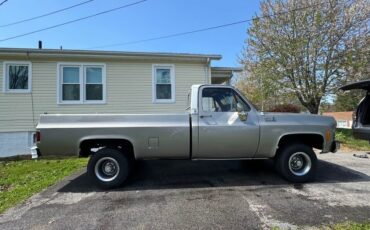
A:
{"x": 152, "y": 18}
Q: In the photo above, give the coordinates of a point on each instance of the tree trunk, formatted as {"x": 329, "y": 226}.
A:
{"x": 313, "y": 107}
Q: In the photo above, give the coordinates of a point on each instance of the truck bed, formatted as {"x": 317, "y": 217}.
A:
{"x": 152, "y": 135}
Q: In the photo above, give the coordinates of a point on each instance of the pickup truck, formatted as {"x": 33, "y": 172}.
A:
{"x": 220, "y": 123}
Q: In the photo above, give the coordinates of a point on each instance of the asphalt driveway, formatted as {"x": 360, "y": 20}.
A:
{"x": 203, "y": 194}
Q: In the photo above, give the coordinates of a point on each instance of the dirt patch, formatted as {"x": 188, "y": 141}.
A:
{"x": 6, "y": 187}
{"x": 346, "y": 149}
{"x": 16, "y": 158}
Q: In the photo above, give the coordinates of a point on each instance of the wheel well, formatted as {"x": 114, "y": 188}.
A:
{"x": 313, "y": 140}
{"x": 87, "y": 147}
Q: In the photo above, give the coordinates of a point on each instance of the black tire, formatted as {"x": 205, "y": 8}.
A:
{"x": 297, "y": 163}
{"x": 116, "y": 161}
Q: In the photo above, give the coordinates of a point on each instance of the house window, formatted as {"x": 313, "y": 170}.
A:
{"x": 71, "y": 83}
{"x": 18, "y": 77}
{"x": 81, "y": 84}
{"x": 94, "y": 83}
{"x": 163, "y": 84}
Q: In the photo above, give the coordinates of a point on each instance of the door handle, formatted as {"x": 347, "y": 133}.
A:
{"x": 203, "y": 116}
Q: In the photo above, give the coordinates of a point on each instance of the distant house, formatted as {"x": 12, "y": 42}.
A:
{"x": 37, "y": 81}
{"x": 344, "y": 119}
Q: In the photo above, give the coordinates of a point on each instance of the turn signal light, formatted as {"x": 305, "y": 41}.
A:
{"x": 327, "y": 135}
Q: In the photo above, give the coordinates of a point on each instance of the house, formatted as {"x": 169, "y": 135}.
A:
{"x": 344, "y": 119}
{"x": 37, "y": 81}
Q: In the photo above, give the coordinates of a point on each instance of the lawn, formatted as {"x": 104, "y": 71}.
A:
{"x": 347, "y": 140}
{"x": 20, "y": 179}
{"x": 349, "y": 226}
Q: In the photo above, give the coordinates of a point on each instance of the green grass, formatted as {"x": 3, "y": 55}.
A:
{"x": 346, "y": 138}
{"x": 349, "y": 226}
{"x": 340, "y": 226}
{"x": 20, "y": 179}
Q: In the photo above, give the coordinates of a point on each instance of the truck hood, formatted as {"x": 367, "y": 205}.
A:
{"x": 299, "y": 119}
{"x": 357, "y": 85}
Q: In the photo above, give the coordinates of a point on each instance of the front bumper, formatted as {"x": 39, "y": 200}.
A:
{"x": 335, "y": 146}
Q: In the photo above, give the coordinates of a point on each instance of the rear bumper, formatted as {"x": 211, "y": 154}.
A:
{"x": 35, "y": 152}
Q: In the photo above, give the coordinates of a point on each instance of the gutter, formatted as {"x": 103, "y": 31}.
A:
{"x": 17, "y": 52}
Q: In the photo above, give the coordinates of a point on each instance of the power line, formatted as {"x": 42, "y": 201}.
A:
{"x": 72, "y": 21}
{"x": 202, "y": 29}
{"x": 3, "y": 2}
{"x": 175, "y": 35}
{"x": 44, "y": 15}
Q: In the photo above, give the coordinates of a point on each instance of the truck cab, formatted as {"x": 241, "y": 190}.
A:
{"x": 222, "y": 116}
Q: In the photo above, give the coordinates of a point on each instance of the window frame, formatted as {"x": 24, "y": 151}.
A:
{"x": 6, "y": 76}
{"x": 171, "y": 67}
{"x": 82, "y": 81}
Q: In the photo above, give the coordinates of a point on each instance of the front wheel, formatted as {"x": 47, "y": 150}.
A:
{"x": 296, "y": 163}
{"x": 109, "y": 168}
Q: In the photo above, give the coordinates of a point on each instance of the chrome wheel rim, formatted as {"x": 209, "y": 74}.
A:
{"x": 299, "y": 163}
{"x": 107, "y": 169}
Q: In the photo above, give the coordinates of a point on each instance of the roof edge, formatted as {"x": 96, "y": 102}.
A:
{"x": 105, "y": 53}
{"x": 234, "y": 69}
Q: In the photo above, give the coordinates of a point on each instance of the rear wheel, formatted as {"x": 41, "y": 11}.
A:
{"x": 296, "y": 163}
{"x": 109, "y": 168}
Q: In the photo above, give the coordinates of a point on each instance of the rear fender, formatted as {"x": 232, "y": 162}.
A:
{"x": 107, "y": 137}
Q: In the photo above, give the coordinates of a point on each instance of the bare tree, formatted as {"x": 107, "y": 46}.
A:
{"x": 308, "y": 47}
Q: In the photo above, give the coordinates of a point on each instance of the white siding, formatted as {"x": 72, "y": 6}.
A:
{"x": 129, "y": 90}
{"x": 15, "y": 143}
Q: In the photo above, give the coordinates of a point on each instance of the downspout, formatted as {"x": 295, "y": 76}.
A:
{"x": 207, "y": 77}
{"x": 231, "y": 77}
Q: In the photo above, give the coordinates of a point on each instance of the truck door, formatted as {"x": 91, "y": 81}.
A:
{"x": 227, "y": 127}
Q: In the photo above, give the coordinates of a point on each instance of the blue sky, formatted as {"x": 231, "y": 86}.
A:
{"x": 150, "y": 19}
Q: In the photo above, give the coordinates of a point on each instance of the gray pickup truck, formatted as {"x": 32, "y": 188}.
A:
{"x": 219, "y": 124}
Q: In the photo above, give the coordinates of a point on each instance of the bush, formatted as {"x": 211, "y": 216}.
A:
{"x": 286, "y": 108}
{"x": 345, "y": 136}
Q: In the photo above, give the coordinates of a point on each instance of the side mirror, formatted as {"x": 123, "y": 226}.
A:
{"x": 243, "y": 116}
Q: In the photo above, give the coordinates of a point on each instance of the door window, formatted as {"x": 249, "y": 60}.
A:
{"x": 222, "y": 100}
